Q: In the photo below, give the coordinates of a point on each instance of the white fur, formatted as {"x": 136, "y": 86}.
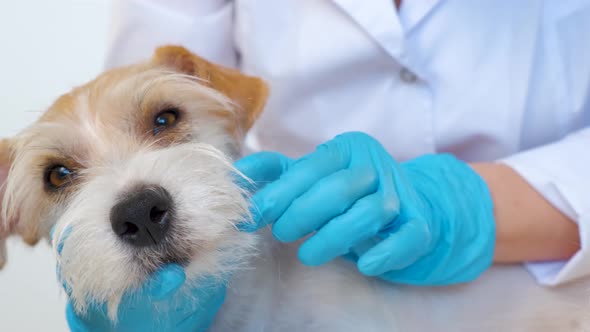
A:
{"x": 280, "y": 294}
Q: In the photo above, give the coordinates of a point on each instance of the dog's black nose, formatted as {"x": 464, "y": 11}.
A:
{"x": 143, "y": 218}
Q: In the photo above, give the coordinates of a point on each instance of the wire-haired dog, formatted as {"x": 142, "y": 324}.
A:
{"x": 137, "y": 165}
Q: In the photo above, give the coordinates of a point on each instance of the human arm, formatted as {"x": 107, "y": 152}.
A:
{"x": 453, "y": 195}
{"x": 559, "y": 173}
{"x": 528, "y": 227}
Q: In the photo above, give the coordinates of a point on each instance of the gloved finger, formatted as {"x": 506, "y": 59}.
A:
{"x": 60, "y": 245}
{"x": 194, "y": 323}
{"x": 271, "y": 202}
{"x": 261, "y": 168}
{"x": 360, "y": 248}
{"x": 398, "y": 250}
{"x": 74, "y": 322}
{"x": 52, "y": 232}
{"x": 164, "y": 283}
{"x": 190, "y": 323}
{"x": 325, "y": 200}
{"x": 63, "y": 237}
{"x": 64, "y": 284}
{"x": 363, "y": 221}
{"x": 200, "y": 320}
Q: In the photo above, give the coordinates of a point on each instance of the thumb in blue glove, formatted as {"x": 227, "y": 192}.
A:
{"x": 428, "y": 221}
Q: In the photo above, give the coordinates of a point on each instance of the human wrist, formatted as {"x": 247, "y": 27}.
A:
{"x": 460, "y": 207}
{"x": 529, "y": 228}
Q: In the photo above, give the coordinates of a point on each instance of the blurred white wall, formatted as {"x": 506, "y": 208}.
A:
{"x": 46, "y": 48}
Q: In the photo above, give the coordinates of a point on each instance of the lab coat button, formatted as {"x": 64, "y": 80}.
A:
{"x": 407, "y": 76}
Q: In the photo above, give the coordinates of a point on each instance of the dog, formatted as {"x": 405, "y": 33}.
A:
{"x": 137, "y": 167}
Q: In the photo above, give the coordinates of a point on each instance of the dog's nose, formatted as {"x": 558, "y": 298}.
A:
{"x": 143, "y": 218}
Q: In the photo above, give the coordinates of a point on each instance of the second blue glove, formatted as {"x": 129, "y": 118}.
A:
{"x": 428, "y": 221}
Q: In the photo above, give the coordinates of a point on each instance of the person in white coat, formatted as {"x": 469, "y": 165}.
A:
{"x": 501, "y": 86}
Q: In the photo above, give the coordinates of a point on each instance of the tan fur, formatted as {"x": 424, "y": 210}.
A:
{"x": 249, "y": 92}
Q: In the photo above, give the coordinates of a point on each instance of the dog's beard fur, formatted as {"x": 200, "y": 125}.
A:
{"x": 207, "y": 203}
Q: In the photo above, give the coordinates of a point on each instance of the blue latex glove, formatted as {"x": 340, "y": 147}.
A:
{"x": 428, "y": 221}
{"x": 150, "y": 308}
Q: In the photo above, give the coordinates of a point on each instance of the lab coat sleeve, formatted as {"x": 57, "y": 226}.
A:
{"x": 560, "y": 172}
{"x": 140, "y": 26}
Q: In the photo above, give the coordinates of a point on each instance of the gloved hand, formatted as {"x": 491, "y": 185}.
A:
{"x": 156, "y": 306}
{"x": 428, "y": 221}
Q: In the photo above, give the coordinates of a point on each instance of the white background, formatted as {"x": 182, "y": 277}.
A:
{"x": 46, "y": 48}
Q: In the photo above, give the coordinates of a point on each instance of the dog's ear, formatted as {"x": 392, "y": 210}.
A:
{"x": 248, "y": 92}
{"x": 5, "y": 228}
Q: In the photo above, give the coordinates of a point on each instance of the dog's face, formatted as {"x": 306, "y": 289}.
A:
{"x": 136, "y": 167}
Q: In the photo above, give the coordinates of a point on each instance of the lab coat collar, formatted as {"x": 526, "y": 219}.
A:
{"x": 412, "y": 12}
{"x": 380, "y": 20}
{"x": 384, "y": 24}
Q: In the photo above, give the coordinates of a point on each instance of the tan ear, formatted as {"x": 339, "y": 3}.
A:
{"x": 250, "y": 93}
{"x": 5, "y": 229}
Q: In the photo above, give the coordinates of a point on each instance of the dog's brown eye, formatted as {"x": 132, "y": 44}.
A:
{"x": 57, "y": 176}
{"x": 164, "y": 119}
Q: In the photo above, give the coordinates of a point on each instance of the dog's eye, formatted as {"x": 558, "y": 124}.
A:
{"x": 57, "y": 176}
{"x": 165, "y": 118}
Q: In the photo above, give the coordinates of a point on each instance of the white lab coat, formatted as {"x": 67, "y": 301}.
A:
{"x": 487, "y": 80}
